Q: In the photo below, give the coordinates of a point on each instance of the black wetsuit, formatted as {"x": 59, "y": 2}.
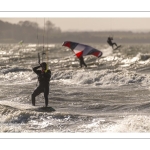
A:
{"x": 43, "y": 78}
{"x": 109, "y": 41}
{"x": 82, "y": 62}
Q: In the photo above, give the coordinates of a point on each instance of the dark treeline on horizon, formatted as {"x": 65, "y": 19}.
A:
{"x": 30, "y": 32}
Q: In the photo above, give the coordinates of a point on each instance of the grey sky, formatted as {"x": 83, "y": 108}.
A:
{"x": 91, "y": 24}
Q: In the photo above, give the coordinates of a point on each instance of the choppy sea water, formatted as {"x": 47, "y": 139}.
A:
{"x": 110, "y": 95}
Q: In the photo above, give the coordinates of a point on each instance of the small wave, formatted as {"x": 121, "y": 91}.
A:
{"x": 14, "y": 69}
{"x": 14, "y": 115}
{"x": 17, "y": 77}
{"x": 145, "y": 57}
{"x": 98, "y": 78}
{"x": 107, "y": 52}
{"x": 132, "y": 124}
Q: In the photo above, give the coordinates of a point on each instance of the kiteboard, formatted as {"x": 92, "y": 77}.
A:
{"x": 42, "y": 109}
{"x": 117, "y": 47}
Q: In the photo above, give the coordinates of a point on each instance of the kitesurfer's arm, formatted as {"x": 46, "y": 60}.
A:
{"x": 35, "y": 69}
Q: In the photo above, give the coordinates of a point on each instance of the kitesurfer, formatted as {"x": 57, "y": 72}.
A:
{"x": 82, "y": 62}
{"x": 44, "y": 76}
{"x": 109, "y": 41}
{"x": 81, "y": 50}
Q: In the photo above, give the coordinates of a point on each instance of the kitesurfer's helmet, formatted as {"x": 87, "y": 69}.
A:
{"x": 44, "y": 66}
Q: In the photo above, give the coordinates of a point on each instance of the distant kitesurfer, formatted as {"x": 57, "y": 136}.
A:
{"x": 44, "y": 76}
{"x": 82, "y": 62}
{"x": 109, "y": 41}
{"x": 81, "y": 50}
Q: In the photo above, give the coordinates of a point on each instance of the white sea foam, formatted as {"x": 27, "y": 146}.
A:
{"x": 98, "y": 78}
{"x": 107, "y": 52}
{"x": 131, "y": 124}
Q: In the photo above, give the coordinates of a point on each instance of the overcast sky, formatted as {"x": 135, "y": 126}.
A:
{"x": 91, "y": 24}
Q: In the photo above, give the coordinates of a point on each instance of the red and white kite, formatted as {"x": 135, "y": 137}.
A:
{"x": 81, "y": 49}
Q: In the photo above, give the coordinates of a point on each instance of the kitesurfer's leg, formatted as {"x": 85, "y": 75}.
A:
{"x": 84, "y": 64}
{"x": 46, "y": 92}
{"x": 115, "y": 44}
{"x": 36, "y": 92}
{"x": 111, "y": 44}
{"x": 80, "y": 63}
